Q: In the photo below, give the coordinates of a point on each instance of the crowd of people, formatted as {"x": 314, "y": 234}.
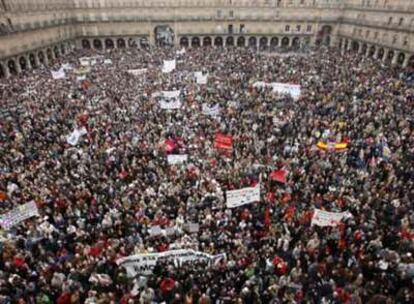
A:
{"x": 99, "y": 198}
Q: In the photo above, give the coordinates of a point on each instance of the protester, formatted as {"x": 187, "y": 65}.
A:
{"x": 91, "y": 150}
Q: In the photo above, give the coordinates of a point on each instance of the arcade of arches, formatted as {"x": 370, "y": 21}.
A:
{"x": 34, "y": 59}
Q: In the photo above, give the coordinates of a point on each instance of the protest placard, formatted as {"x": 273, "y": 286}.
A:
{"x": 18, "y": 214}
{"x": 324, "y": 218}
{"x": 240, "y": 197}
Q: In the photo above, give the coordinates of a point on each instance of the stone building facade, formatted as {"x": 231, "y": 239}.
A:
{"x": 34, "y": 32}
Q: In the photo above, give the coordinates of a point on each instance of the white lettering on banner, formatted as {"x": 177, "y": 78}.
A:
{"x": 18, "y": 215}
{"x": 324, "y": 218}
{"x": 281, "y": 88}
{"x": 58, "y": 74}
{"x": 144, "y": 263}
{"x": 74, "y": 137}
{"x": 137, "y": 72}
{"x": 211, "y": 111}
{"x": 177, "y": 158}
{"x": 169, "y": 66}
{"x": 244, "y": 196}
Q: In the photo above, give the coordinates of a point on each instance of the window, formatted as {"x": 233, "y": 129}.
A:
{"x": 309, "y": 28}
{"x": 375, "y": 35}
{"x": 287, "y": 28}
{"x": 219, "y": 13}
{"x": 242, "y": 28}
{"x": 405, "y": 41}
{"x": 230, "y": 28}
{"x": 298, "y": 28}
{"x": 394, "y": 39}
{"x": 401, "y": 21}
{"x": 367, "y": 34}
{"x": 390, "y": 20}
{"x": 231, "y": 14}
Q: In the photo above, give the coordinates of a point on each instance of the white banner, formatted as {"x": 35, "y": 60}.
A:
{"x": 325, "y": 218}
{"x": 169, "y": 66}
{"x": 74, "y": 137}
{"x": 107, "y": 61}
{"x": 244, "y": 196}
{"x": 281, "y": 88}
{"x": 211, "y": 111}
{"x": 181, "y": 52}
{"x": 201, "y": 78}
{"x": 144, "y": 263}
{"x": 67, "y": 66}
{"x": 58, "y": 74}
{"x": 174, "y": 159}
{"x": 170, "y": 100}
{"x": 18, "y": 214}
{"x": 137, "y": 72}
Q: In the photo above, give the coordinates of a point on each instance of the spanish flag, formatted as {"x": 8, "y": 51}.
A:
{"x": 331, "y": 146}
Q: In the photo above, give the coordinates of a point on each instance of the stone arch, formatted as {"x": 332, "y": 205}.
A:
{"x": 62, "y": 49}
{"x": 56, "y": 51}
{"x": 274, "y": 41}
{"x": 400, "y": 58}
{"x": 241, "y": 41}
{"x": 195, "y": 41}
{"x": 11, "y": 64}
{"x": 86, "y": 44}
{"x": 2, "y": 71}
{"x": 296, "y": 42}
{"x": 324, "y": 35}
{"x": 23, "y": 63}
{"x": 411, "y": 62}
{"x": 49, "y": 54}
{"x": 97, "y": 44}
{"x": 206, "y": 41}
{"x": 41, "y": 57}
{"x": 252, "y": 42}
{"x": 121, "y": 43}
{"x": 371, "y": 51}
{"x": 218, "y": 41}
{"x": 32, "y": 60}
{"x": 109, "y": 43}
{"x": 184, "y": 41}
{"x": 263, "y": 42}
{"x": 355, "y": 46}
{"x": 390, "y": 56}
{"x": 341, "y": 42}
{"x": 381, "y": 53}
{"x": 285, "y": 42}
{"x": 230, "y": 41}
{"x": 364, "y": 48}
{"x": 346, "y": 44}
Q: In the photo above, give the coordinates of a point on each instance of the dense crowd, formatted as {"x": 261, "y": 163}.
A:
{"x": 99, "y": 198}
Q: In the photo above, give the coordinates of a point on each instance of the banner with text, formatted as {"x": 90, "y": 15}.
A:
{"x": 18, "y": 214}
{"x": 143, "y": 264}
{"x": 281, "y": 88}
{"x": 325, "y": 218}
{"x": 174, "y": 159}
{"x": 244, "y": 196}
{"x": 169, "y": 66}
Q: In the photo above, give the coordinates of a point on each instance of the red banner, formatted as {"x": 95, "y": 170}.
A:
{"x": 279, "y": 176}
{"x": 222, "y": 141}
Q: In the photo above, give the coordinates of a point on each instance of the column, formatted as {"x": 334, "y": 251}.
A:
{"x": 384, "y": 57}
{"x": 190, "y": 42}
{"x": 406, "y": 60}
{"x": 268, "y": 42}
{"x": 36, "y": 58}
{"x": 367, "y": 51}
{"x": 258, "y": 43}
{"x": 5, "y": 69}
{"x": 376, "y": 53}
{"x": 91, "y": 43}
{"x": 45, "y": 59}
{"x": 291, "y": 41}
{"x": 52, "y": 53}
{"x": 17, "y": 65}
{"x": 394, "y": 60}
{"x": 201, "y": 41}
{"x": 28, "y": 63}
{"x": 246, "y": 41}
{"x": 349, "y": 46}
{"x": 359, "y": 48}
